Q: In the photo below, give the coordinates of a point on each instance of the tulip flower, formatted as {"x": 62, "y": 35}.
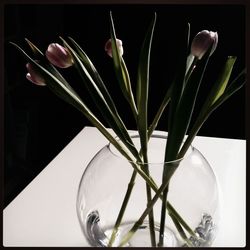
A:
{"x": 202, "y": 42}
{"x": 33, "y": 76}
{"x": 108, "y": 47}
{"x": 59, "y": 56}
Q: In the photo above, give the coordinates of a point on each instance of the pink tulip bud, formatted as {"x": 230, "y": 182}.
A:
{"x": 108, "y": 47}
{"x": 33, "y": 76}
{"x": 59, "y": 56}
{"x": 202, "y": 42}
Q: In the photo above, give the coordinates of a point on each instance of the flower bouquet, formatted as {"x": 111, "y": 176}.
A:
{"x": 181, "y": 97}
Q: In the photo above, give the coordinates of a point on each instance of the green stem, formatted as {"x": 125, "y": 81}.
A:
{"x": 163, "y": 217}
{"x": 167, "y": 99}
{"x": 180, "y": 220}
{"x": 173, "y": 213}
{"x": 190, "y": 137}
{"x": 149, "y": 198}
{"x": 136, "y": 226}
{"x": 159, "y": 112}
{"x": 191, "y": 69}
{"x": 123, "y": 208}
{"x": 150, "y": 205}
{"x": 180, "y": 230}
{"x": 167, "y": 168}
{"x": 130, "y": 96}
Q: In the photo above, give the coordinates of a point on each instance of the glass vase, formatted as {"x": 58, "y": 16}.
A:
{"x": 193, "y": 194}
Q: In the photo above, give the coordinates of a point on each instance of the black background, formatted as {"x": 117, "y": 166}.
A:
{"x": 38, "y": 125}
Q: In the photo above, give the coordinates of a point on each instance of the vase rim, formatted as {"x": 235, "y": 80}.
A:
{"x": 155, "y": 134}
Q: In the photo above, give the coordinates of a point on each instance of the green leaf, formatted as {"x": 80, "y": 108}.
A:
{"x": 143, "y": 85}
{"x": 221, "y": 83}
{"x": 224, "y": 78}
{"x": 160, "y": 111}
{"x": 142, "y": 120}
{"x": 35, "y": 50}
{"x": 233, "y": 87}
{"x": 179, "y": 81}
{"x": 121, "y": 70}
{"x": 122, "y": 79}
{"x": 236, "y": 84}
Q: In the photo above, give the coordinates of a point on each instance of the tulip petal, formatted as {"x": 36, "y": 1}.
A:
{"x": 59, "y": 56}
{"x": 202, "y": 42}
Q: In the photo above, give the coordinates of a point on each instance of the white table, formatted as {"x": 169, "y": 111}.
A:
{"x": 44, "y": 213}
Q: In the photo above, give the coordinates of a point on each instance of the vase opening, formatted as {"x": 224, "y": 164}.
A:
{"x": 156, "y": 149}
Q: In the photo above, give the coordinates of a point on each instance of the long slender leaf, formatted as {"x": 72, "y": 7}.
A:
{"x": 224, "y": 78}
{"x": 130, "y": 94}
{"x": 160, "y": 111}
{"x": 236, "y": 84}
{"x": 142, "y": 102}
{"x": 117, "y": 60}
{"x": 220, "y": 84}
{"x": 143, "y": 85}
{"x": 121, "y": 70}
{"x": 179, "y": 81}
{"x": 35, "y": 50}
{"x": 167, "y": 98}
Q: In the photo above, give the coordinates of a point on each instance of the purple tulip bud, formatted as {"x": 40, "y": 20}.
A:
{"x": 202, "y": 42}
{"x": 59, "y": 56}
{"x": 33, "y": 76}
{"x": 108, "y": 47}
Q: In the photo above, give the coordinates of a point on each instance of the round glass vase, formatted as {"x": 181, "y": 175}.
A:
{"x": 193, "y": 194}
